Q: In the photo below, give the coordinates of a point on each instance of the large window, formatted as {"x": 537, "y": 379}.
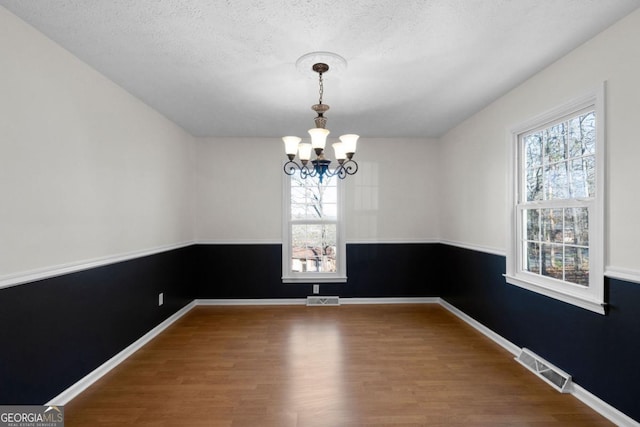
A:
{"x": 313, "y": 241}
{"x": 556, "y": 243}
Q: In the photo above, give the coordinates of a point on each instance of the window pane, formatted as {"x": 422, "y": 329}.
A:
{"x": 311, "y": 199}
{"x": 590, "y": 169}
{"x": 582, "y": 135}
{"x": 330, "y": 210}
{"x": 560, "y": 160}
{"x": 576, "y": 226}
{"x": 313, "y": 248}
{"x": 534, "y": 184}
{"x": 298, "y": 192}
{"x": 330, "y": 195}
{"x": 555, "y": 146}
{"x": 576, "y": 261}
{"x": 532, "y": 217}
{"x": 298, "y": 211}
{"x": 533, "y": 151}
{"x": 551, "y": 225}
{"x": 532, "y": 258}
{"x": 557, "y": 183}
{"x": 552, "y": 261}
{"x": 579, "y": 185}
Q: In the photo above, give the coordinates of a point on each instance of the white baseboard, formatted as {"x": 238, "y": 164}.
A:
{"x": 303, "y": 301}
{"x": 407, "y": 300}
{"x": 603, "y": 408}
{"x": 66, "y": 396}
{"x": 252, "y": 301}
{"x": 595, "y": 403}
{"x": 598, "y": 405}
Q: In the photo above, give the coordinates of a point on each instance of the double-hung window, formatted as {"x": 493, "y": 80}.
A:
{"x": 556, "y": 235}
{"x": 313, "y": 247}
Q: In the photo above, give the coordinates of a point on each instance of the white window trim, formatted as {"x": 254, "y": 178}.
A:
{"x": 289, "y": 276}
{"x": 591, "y": 297}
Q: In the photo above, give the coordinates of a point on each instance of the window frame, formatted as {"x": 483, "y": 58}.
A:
{"x": 592, "y": 296}
{"x": 290, "y": 276}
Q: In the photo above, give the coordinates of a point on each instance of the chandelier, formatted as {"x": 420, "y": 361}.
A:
{"x": 343, "y": 150}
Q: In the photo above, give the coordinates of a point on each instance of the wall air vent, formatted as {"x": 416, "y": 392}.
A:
{"x": 554, "y": 376}
{"x": 317, "y": 300}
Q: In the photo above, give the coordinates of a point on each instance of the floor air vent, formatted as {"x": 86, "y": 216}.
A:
{"x": 557, "y": 378}
{"x": 323, "y": 300}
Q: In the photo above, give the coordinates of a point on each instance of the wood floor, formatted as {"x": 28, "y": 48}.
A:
{"x": 392, "y": 365}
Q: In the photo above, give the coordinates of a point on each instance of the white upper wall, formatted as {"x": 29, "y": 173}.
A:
{"x": 239, "y": 191}
{"x": 393, "y": 197}
{"x": 474, "y": 158}
{"x": 87, "y": 171}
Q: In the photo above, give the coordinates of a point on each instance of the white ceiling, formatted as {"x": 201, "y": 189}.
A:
{"x": 416, "y": 68}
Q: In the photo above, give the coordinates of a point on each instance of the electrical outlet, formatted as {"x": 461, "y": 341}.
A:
{"x": 316, "y": 289}
{"x": 160, "y": 298}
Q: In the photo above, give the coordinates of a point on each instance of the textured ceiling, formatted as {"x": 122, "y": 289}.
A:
{"x": 227, "y": 68}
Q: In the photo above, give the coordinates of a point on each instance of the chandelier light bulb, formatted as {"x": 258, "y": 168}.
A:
{"x": 291, "y": 145}
{"x": 304, "y": 152}
{"x": 338, "y": 149}
{"x": 318, "y": 138}
{"x": 349, "y": 141}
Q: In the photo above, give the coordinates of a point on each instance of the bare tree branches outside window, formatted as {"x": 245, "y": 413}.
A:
{"x": 314, "y": 208}
{"x": 559, "y": 165}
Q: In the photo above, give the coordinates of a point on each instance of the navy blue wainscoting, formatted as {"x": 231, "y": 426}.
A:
{"x": 55, "y": 331}
{"x": 373, "y": 270}
{"x": 600, "y": 352}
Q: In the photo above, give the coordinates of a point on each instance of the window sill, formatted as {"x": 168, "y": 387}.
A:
{"x": 577, "y": 300}
{"x": 315, "y": 279}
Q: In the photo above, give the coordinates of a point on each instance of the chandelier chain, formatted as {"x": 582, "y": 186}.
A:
{"x": 321, "y": 89}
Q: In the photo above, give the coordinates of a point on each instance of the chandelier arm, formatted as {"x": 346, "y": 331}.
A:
{"x": 350, "y": 167}
{"x": 340, "y": 172}
{"x": 331, "y": 174}
{"x": 306, "y": 172}
{"x": 291, "y": 167}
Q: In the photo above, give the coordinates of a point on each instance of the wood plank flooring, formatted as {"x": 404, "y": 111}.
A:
{"x": 391, "y": 365}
